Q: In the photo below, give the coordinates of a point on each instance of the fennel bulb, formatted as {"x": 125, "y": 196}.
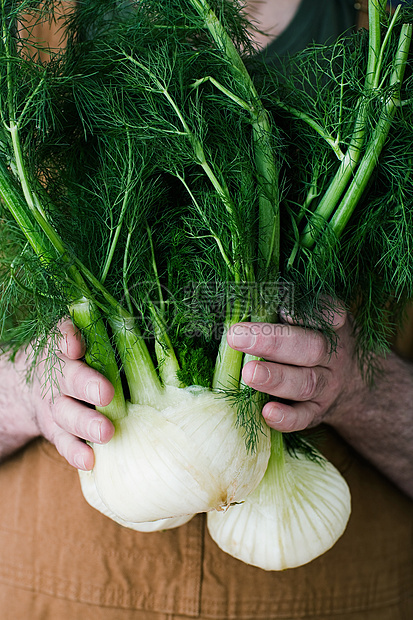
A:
{"x": 88, "y": 486}
{"x": 183, "y": 455}
{"x": 297, "y": 512}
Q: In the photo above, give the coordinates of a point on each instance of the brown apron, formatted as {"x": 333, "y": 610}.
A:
{"x": 62, "y": 560}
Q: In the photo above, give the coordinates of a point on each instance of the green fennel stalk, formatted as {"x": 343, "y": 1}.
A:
{"x": 269, "y": 216}
{"x": 332, "y": 201}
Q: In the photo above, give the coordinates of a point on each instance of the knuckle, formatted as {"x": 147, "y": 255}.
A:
{"x": 309, "y": 384}
{"x": 62, "y": 344}
{"x": 79, "y": 426}
{"x": 278, "y": 377}
{"x": 317, "y": 351}
{"x": 49, "y": 402}
{"x": 68, "y": 417}
{"x": 76, "y": 382}
{"x": 340, "y": 317}
{"x": 275, "y": 340}
{"x": 56, "y": 406}
{"x": 278, "y": 341}
{"x": 267, "y": 340}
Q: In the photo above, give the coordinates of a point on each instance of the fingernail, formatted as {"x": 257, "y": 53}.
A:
{"x": 95, "y": 430}
{"x": 93, "y": 392}
{"x": 80, "y": 461}
{"x": 242, "y": 339}
{"x": 260, "y": 375}
{"x": 275, "y": 415}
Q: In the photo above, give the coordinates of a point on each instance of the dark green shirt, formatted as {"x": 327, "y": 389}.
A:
{"x": 316, "y": 21}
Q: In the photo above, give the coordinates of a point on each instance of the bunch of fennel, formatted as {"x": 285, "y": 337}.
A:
{"x": 139, "y": 161}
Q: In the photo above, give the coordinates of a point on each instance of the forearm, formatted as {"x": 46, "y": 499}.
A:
{"x": 377, "y": 422}
{"x": 17, "y": 419}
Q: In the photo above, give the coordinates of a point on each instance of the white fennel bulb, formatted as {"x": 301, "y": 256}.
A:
{"x": 88, "y": 486}
{"x": 185, "y": 456}
{"x": 297, "y": 512}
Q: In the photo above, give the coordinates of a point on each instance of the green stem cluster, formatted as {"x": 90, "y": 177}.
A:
{"x": 346, "y": 188}
{"x": 266, "y": 167}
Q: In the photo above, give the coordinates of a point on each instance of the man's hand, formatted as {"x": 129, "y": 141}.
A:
{"x": 67, "y": 418}
{"x": 328, "y": 387}
{"x": 299, "y": 367}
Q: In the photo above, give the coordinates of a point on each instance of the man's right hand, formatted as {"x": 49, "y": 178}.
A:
{"x": 67, "y": 418}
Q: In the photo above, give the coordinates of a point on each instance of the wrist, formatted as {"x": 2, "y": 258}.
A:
{"x": 362, "y": 402}
{"x": 350, "y": 401}
{"x": 18, "y": 424}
